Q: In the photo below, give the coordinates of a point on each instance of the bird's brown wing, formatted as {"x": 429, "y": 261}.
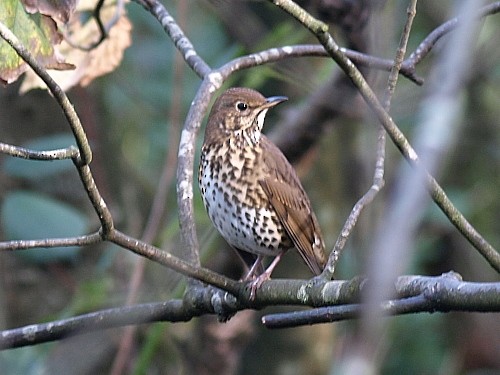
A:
{"x": 289, "y": 200}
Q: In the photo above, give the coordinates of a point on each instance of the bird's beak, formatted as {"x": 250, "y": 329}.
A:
{"x": 274, "y": 100}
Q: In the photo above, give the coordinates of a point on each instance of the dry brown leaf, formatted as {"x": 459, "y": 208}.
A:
{"x": 58, "y": 9}
{"x": 37, "y": 32}
{"x": 89, "y": 64}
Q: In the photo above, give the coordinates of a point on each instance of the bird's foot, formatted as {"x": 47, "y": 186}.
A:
{"x": 257, "y": 283}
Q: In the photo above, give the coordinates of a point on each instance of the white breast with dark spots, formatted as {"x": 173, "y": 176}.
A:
{"x": 249, "y": 226}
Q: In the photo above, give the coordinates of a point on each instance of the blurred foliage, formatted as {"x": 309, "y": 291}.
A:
{"x": 416, "y": 349}
{"x": 30, "y": 216}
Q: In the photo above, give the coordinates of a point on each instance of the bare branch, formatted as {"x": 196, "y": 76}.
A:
{"x": 182, "y": 43}
{"x": 378, "y": 175}
{"x": 81, "y": 159}
{"x": 397, "y": 136}
{"x": 170, "y": 261}
{"x": 416, "y": 294}
{"x": 88, "y": 239}
{"x": 428, "y": 43}
{"x": 24, "y": 153}
{"x": 172, "y": 310}
{"x": 343, "y": 312}
{"x": 55, "y": 89}
{"x": 310, "y": 50}
{"x": 186, "y": 162}
{"x": 103, "y": 29}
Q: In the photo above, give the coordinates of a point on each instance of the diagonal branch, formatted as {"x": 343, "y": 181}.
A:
{"x": 428, "y": 43}
{"x": 378, "y": 175}
{"x": 55, "y": 89}
{"x": 437, "y": 193}
{"x": 81, "y": 159}
{"x": 182, "y": 43}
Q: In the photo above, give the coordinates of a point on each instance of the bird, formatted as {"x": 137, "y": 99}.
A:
{"x": 250, "y": 190}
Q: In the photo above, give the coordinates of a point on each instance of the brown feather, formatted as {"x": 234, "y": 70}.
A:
{"x": 288, "y": 198}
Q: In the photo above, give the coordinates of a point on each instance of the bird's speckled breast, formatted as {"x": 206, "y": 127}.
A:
{"x": 236, "y": 202}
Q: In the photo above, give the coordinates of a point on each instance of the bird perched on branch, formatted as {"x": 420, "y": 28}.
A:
{"x": 251, "y": 192}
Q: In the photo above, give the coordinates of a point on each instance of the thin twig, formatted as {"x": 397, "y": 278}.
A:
{"x": 378, "y": 175}
{"x": 400, "y": 140}
{"x": 55, "y": 89}
{"x": 24, "y": 153}
{"x": 89, "y": 239}
{"x": 103, "y": 29}
{"x": 428, "y": 43}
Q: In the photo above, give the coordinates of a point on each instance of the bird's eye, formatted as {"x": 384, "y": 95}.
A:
{"x": 241, "y": 106}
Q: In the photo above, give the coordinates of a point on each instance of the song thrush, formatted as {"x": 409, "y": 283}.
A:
{"x": 251, "y": 192}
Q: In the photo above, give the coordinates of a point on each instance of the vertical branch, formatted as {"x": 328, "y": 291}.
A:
{"x": 185, "y": 167}
{"x": 397, "y": 136}
{"x": 211, "y": 81}
{"x": 378, "y": 175}
{"x": 395, "y": 240}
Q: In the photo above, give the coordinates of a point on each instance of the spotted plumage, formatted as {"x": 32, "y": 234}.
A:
{"x": 251, "y": 192}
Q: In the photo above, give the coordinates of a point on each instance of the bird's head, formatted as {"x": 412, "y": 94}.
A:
{"x": 239, "y": 112}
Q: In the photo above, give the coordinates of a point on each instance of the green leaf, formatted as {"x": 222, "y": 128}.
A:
{"x": 27, "y": 216}
{"x": 37, "y": 169}
{"x": 37, "y": 33}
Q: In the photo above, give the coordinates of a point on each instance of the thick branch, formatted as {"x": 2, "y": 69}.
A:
{"x": 417, "y": 294}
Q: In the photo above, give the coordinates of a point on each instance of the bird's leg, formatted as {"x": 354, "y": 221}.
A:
{"x": 251, "y": 273}
{"x": 266, "y": 275}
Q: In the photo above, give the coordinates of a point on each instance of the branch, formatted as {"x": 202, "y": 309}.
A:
{"x": 89, "y": 239}
{"x": 397, "y": 136}
{"x": 172, "y": 262}
{"x": 55, "y": 89}
{"x": 181, "y": 42}
{"x": 103, "y": 29}
{"x": 417, "y": 294}
{"x": 138, "y": 247}
{"x": 378, "y": 174}
{"x": 428, "y": 43}
{"x": 172, "y": 311}
{"x": 24, "y": 153}
{"x": 81, "y": 159}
